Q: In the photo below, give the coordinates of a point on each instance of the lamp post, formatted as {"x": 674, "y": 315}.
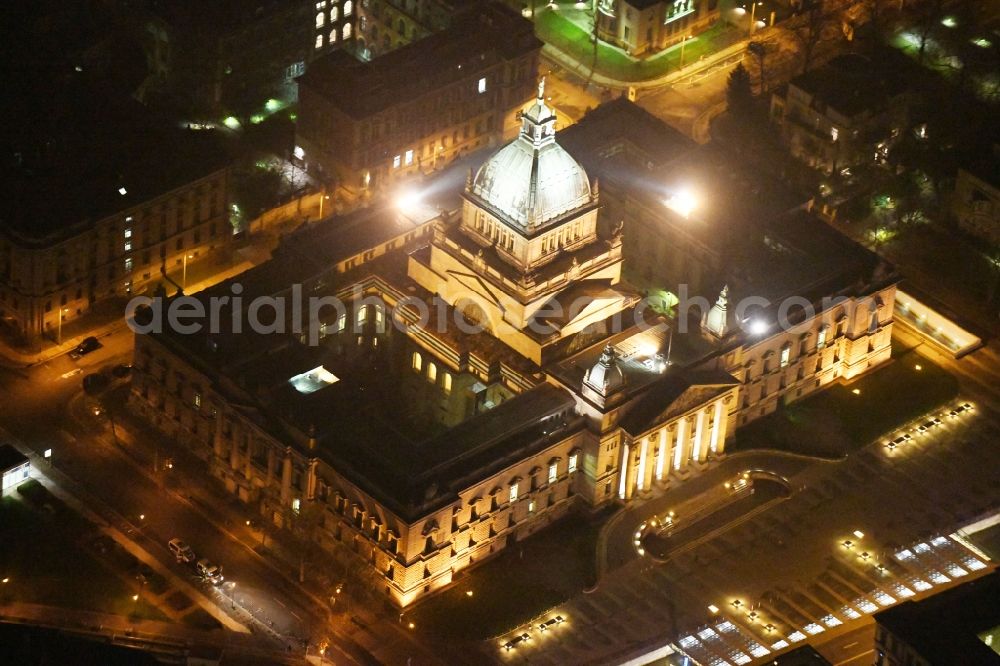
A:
{"x": 62, "y": 311}
{"x": 184, "y": 276}
{"x": 683, "y": 43}
{"x": 753, "y": 11}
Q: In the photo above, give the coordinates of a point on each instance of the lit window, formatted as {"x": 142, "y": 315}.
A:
{"x": 446, "y": 382}
{"x": 346, "y": 33}
{"x": 482, "y": 85}
{"x": 821, "y": 337}
{"x": 834, "y": 133}
{"x": 320, "y": 20}
{"x": 333, "y": 36}
{"x": 320, "y": 5}
{"x": 319, "y": 41}
{"x": 128, "y": 233}
{"x": 296, "y": 504}
{"x": 396, "y": 161}
{"x": 531, "y": 506}
{"x": 334, "y": 14}
{"x": 553, "y": 472}
{"x": 572, "y": 462}
{"x": 348, "y": 8}
{"x": 409, "y": 157}
{"x": 785, "y": 354}
{"x": 128, "y": 265}
{"x": 418, "y": 361}
{"x": 362, "y": 314}
{"x": 363, "y": 24}
{"x": 128, "y": 246}
{"x": 432, "y": 372}
{"x": 513, "y": 492}
{"x": 341, "y": 323}
{"x": 197, "y": 400}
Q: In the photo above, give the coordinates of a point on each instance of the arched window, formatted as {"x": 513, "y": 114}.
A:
{"x": 319, "y": 41}
{"x": 432, "y": 372}
{"x": 348, "y": 8}
{"x": 418, "y": 361}
{"x": 320, "y": 20}
{"x": 333, "y": 36}
{"x": 334, "y": 13}
{"x": 446, "y": 382}
{"x": 347, "y": 30}
{"x": 362, "y": 24}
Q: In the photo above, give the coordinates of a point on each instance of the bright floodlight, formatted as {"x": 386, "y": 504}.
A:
{"x": 408, "y": 199}
{"x": 758, "y": 327}
{"x": 682, "y": 201}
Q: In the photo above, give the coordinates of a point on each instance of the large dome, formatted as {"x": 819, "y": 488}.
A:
{"x": 533, "y": 180}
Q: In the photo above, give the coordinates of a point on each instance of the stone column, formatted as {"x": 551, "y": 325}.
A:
{"x": 698, "y": 447}
{"x": 219, "y": 445}
{"x": 680, "y": 447}
{"x": 311, "y": 479}
{"x": 286, "y": 478}
{"x": 717, "y": 427}
{"x": 234, "y": 450}
{"x": 662, "y": 462}
{"x": 272, "y": 462}
{"x": 247, "y": 461}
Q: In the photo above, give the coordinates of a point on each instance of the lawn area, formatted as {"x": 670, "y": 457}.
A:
{"x": 45, "y": 564}
{"x": 837, "y": 421}
{"x": 554, "y": 28}
{"x": 525, "y": 579}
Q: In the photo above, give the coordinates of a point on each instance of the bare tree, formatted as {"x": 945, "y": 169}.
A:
{"x": 818, "y": 19}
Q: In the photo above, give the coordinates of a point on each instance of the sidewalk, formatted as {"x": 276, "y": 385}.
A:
{"x": 356, "y": 621}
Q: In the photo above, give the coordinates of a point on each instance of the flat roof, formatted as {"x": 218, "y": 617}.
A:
{"x": 78, "y": 147}
{"x": 854, "y": 83}
{"x": 10, "y": 457}
{"x": 944, "y": 628}
{"x": 483, "y": 35}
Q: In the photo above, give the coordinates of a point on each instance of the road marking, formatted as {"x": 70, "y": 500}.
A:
{"x": 71, "y": 373}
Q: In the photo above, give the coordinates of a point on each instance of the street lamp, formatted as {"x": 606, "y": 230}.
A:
{"x": 753, "y": 12}
{"x": 683, "y": 42}
{"x": 184, "y": 277}
{"x": 62, "y": 311}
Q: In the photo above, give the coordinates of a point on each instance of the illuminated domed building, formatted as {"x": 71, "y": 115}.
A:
{"x": 487, "y": 373}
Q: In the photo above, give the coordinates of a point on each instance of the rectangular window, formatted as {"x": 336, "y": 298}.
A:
{"x": 396, "y": 161}
{"x": 572, "y": 462}
{"x": 553, "y": 472}
{"x": 197, "y": 400}
{"x": 128, "y": 233}
{"x": 481, "y": 85}
{"x": 785, "y": 355}
{"x": 531, "y": 506}
{"x": 409, "y": 157}
{"x": 821, "y": 338}
{"x": 128, "y": 246}
{"x": 513, "y": 492}
{"x": 128, "y": 265}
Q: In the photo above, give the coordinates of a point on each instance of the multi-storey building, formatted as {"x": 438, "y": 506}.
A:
{"x": 384, "y": 25}
{"x": 531, "y": 387}
{"x": 848, "y": 113}
{"x": 976, "y": 201}
{"x": 231, "y": 57}
{"x": 367, "y": 125}
{"x": 646, "y": 27}
{"x": 99, "y": 202}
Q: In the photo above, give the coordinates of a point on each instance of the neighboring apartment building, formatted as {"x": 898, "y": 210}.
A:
{"x": 96, "y": 202}
{"x": 646, "y": 27}
{"x": 385, "y": 25}
{"x": 370, "y": 124}
{"x": 557, "y": 402}
{"x": 230, "y": 57}
{"x": 976, "y": 201}
{"x": 960, "y": 625}
{"x": 847, "y": 113}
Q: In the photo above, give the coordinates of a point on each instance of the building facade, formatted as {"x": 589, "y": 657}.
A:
{"x": 369, "y": 125}
{"x": 532, "y": 387}
{"x": 848, "y": 113}
{"x": 646, "y": 27}
{"x": 976, "y": 201}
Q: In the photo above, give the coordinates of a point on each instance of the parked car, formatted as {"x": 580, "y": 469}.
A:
{"x": 210, "y": 572}
{"x": 85, "y": 347}
{"x": 514, "y": 642}
{"x": 181, "y": 550}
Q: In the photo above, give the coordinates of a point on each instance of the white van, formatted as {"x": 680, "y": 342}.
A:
{"x": 181, "y": 550}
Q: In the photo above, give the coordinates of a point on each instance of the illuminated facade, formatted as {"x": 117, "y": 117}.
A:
{"x": 528, "y": 389}
{"x": 646, "y": 27}
{"x": 369, "y": 125}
